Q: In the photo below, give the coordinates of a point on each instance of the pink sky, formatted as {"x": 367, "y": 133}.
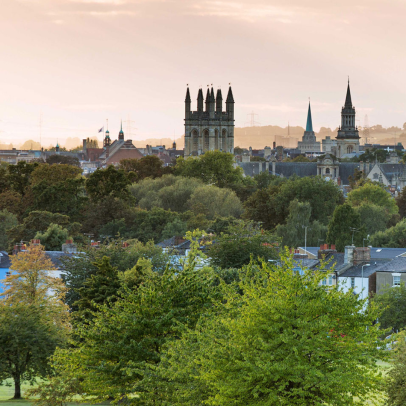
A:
{"x": 82, "y": 61}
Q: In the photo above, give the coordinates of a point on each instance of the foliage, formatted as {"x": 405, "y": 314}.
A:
{"x": 215, "y": 202}
{"x": 20, "y": 176}
{"x": 373, "y": 155}
{"x": 293, "y": 232}
{"x": 100, "y": 288}
{"x": 54, "y": 174}
{"x": 340, "y": 228}
{"x": 213, "y": 168}
{"x": 393, "y": 237}
{"x": 401, "y": 202}
{"x": 39, "y": 221}
{"x": 28, "y": 336}
{"x": 7, "y": 221}
{"x": 392, "y": 301}
{"x": 356, "y": 178}
{"x": 78, "y": 268}
{"x": 30, "y": 282}
{"x": 285, "y": 341}
{"x": 177, "y": 227}
{"x": 149, "y": 166}
{"x": 242, "y": 242}
{"x": 396, "y": 376}
{"x": 13, "y": 202}
{"x": 372, "y": 194}
{"x": 109, "y": 182}
{"x": 53, "y": 238}
{"x": 117, "y": 351}
{"x": 270, "y": 206}
{"x": 301, "y": 158}
{"x": 374, "y": 218}
{"x": 63, "y": 159}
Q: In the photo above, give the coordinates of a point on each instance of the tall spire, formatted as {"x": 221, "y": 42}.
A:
{"x": 348, "y": 102}
{"x": 230, "y": 97}
{"x": 219, "y": 101}
{"x": 121, "y": 133}
{"x": 309, "y": 124}
{"x": 188, "y": 99}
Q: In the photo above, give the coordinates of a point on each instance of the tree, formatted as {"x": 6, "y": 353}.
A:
{"x": 373, "y": 194}
{"x": 30, "y": 282}
{"x": 100, "y": 288}
{"x": 392, "y": 302}
{"x": 242, "y": 242}
{"x": 53, "y": 238}
{"x": 149, "y": 166}
{"x": 345, "y": 228}
{"x": 78, "y": 268}
{"x": 13, "y": 202}
{"x": 54, "y": 174}
{"x": 7, "y": 221}
{"x": 109, "y": 182}
{"x": 177, "y": 227}
{"x": 355, "y": 178}
{"x": 39, "y": 221}
{"x": 298, "y": 226}
{"x": 396, "y": 376}
{"x": 374, "y": 218}
{"x": 301, "y": 158}
{"x": 285, "y": 341}
{"x": 28, "y": 337}
{"x": 20, "y": 176}
{"x": 63, "y": 159}
{"x": 116, "y": 352}
{"x": 215, "y": 202}
{"x": 213, "y": 168}
{"x": 401, "y": 202}
{"x": 393, "y": 237}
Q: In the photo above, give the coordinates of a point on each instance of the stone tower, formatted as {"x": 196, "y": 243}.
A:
{"x": 347, "y": 135}
{"x": 309, "y": 143}
{"x": 210, "y": 129}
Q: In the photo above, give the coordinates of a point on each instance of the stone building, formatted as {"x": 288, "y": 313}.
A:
{"x": 347, "y": 135}
{"x": 309, "y": 143}
{"x": 211, "y": 128}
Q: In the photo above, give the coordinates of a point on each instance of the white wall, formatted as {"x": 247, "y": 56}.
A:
{"x": 345, "y": 284}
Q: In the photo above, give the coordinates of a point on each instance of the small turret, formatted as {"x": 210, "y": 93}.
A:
{"x": 219, "y": 101}
{"x": 212, "y": 104}
{"x": 57, "y": 147}
{"x": 107, "y": 140}
{"x": 207, "y": 101}
{"x": 188, "y": 103}
{"x": 230, "y": 104}
{"x": 121, "y": 133}
{"x": 200, "y": 100}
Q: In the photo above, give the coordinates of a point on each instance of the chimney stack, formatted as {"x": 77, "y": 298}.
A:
{"x": 69, "y": 247}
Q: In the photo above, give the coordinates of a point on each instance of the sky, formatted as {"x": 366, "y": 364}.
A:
{"x": 72, "y": 64}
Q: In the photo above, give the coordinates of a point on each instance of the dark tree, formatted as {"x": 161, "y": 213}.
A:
{"x": 149, "y": 166}
{"x": 20, "y": 175}
{"x": 62, "y": 159}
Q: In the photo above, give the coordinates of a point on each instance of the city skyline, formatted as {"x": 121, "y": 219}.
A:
{"x": 78, "y": 62}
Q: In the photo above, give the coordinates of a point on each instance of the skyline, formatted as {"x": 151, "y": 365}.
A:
{"x": 79, "y": 62}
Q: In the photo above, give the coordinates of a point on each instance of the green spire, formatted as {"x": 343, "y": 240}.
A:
{"x": 309, "y": 124}
{"x": 348, "y": 101}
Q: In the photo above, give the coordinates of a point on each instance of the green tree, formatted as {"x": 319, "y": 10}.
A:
{"x": 341, "y": 228}
{"x": 28, "y": 337}
{"x": 396, "y": 376}
{"x": 109, "y": 182}
{"x": 213, "y": 168}
{"x": 393, "y": 237}
{"x": 62, "y": 159}
{"x": 373, "y": 194}
{"x": 293, "y": 232}
{"x": 392, "y": 302}
{"x": 100, "y": 288}
{"x": 401, "y": 202}
{"x": 20, "y": 176}
{"x": 78, "y": 268}
{"x": 242, "y": 242}
{"x": 117, "y": 351}
{"x": 374, "y": 218}
{"x": 53, "y": 238}
{"x": 13, "y": 202}
{"x": 149, "y": 166}
{"x": 285, "y": 341}
{"x": 39, "y": 221}
{"x": 177, "y": 227}
{"x": 54, "y": 174}
{"x": 7, "y": 221}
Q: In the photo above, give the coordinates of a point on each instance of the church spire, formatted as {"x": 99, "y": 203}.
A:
{"x": 121, "y": 133}
{"x": 188, "y": 99}
{"x": 309, "y": 124}
{"x": 348, "y": 101}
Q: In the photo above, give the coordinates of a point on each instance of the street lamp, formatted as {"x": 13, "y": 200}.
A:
{"x": 362, "y": 277}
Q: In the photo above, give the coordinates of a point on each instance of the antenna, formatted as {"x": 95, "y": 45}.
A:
{"x": 130, "y": 127}
{"x": 365, "y": 132}
{"x": 252, "y": 121}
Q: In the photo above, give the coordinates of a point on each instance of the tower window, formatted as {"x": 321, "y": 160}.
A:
{"x": 327, "y": 171}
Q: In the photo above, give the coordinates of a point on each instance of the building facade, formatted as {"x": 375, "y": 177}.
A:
{"x": 209, "y": 128}
{"x": 347, "y": 135}
{"x": 309, "y": 143}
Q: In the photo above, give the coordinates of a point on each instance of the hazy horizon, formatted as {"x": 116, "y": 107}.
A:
{"x": 79, "y": 62}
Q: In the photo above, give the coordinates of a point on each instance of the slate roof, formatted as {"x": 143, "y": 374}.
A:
{"x": 301, "y": 169}
{"x": 5, "y": 261}
{"x": 377, "y": 254}
{"x": 347, "y": 169}
{"x": 356, "y": 271}
{"x": 395, "y": 265}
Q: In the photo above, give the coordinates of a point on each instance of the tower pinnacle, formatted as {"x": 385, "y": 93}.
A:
{"x": 348, "y": 101}
{"x": 309, "y": 124}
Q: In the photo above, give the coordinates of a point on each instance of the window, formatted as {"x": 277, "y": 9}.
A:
{"x": 352, "y": 283}
{"x": 330, "y": 280}
{"x": 396, "y": 280}
{"x": 324, "y": 282}
{"x": 327, "y": 170}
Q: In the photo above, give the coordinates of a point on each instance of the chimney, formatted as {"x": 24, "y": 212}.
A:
{"x": 126, "y": 244}
{"x": 324, "y": 251}
{"x": 84, "y": 145}
{"x": 95, "y": 244}
{"x": 349, "y": 254}
{"x": 35, "y": 242}
{"x": 69, "y": 247}
{"x": 361, "y": 255}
